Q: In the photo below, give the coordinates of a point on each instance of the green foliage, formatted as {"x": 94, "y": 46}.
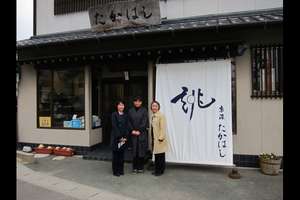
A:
{"x": 267, "y": 156}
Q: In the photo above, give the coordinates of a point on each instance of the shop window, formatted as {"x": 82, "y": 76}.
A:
{"x": 61, "y": 98}
{"x": 267, "y": 71}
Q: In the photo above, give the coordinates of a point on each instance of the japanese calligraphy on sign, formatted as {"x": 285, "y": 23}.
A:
{"x": 222, "y": 136}
{"x": 190, "y": 100}
{"x": 124, "y": 14}
{"x": 196, "y": 97}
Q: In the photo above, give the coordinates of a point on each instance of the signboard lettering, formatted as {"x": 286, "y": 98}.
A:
{"x": 124, "y": 14}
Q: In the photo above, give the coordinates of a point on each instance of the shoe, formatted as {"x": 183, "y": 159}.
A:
{"x": 134, "y": 171}
{"x": 116, "y": 174}
{"x": 122, "y": 173}
{"x": 156, "y": 174}
{"x": 140, "y": 171}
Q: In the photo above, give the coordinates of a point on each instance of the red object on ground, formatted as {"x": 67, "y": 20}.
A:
{"x": 43, "y": 150}
{"x": 63, "y": 152}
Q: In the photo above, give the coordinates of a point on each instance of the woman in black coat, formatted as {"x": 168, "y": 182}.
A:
{"x": 119, "y": 136}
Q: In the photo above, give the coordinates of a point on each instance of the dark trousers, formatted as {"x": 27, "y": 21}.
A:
{"x": 118, "y": 162}
{"x": 138, "y": 163}
{"x": 160, "y": 163}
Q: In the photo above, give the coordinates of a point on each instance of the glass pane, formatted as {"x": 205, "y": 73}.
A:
{"x": 112, "y": 92}
{"x": 44, "y": 91}
{"x": 68, "y": 98}
{"x": 138, "y": 89}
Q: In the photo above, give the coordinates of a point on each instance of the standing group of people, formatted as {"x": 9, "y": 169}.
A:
{"x": 132, "y": 126}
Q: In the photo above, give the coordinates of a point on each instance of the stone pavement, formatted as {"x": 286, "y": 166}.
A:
{"x": 28, "y": 191}
{"x": 90, "y": 180}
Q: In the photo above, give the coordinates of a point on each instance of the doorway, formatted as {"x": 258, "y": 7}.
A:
{"x": 115, "y": 89}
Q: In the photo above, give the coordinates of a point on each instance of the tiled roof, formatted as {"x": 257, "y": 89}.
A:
{"x": 201, "y": 22}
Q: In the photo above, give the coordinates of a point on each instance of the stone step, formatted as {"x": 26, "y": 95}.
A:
{"x": 26, "y": 157}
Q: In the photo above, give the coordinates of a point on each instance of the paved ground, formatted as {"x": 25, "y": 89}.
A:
{"x": 28, "y": 191}
{"x": 89, "y": 179}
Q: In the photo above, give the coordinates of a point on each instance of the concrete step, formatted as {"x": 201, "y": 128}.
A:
{"x": 25, "y": 157}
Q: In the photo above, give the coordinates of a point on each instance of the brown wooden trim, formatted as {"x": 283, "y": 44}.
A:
{"x": 34, "y": 17}
{"x": 154, "y": 81}
{"x": 233, "y": 98}
{"x": 268, "y": 58}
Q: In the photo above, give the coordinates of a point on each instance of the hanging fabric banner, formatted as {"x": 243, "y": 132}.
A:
{"x": 196, "y": 100}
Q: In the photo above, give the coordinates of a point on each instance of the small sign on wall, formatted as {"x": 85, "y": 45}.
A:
{"x": 126, "y": 74}
{"x": 45, "y": 122}
{"x": 124, "y": 14}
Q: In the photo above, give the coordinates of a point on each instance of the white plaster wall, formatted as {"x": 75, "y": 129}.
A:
{"x": 27, "y": 116}
{"x": 205, "y": 7}
{"x": 95, "y": 136}
{"x": 259, "y": 121}
{"x": 48, "y": 23}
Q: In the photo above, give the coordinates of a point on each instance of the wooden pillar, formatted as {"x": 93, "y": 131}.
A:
{"x": 150, "y": 96}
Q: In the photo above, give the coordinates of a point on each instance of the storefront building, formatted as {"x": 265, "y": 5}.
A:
{"x": 70, "y": 75}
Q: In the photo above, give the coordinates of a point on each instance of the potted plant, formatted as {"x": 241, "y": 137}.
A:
{"x": 270, "y": 163}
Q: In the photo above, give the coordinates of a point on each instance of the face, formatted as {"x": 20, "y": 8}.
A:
{"x": 154, "y": 107}
{"x": 137, "y": 103}
{"x": 120, "y": 107}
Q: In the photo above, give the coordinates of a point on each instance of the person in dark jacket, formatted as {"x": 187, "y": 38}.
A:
{"x": 119, "y": 135}
{"x": 138, "y": 124}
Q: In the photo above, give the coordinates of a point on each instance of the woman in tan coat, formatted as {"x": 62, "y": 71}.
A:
{"x": 159, "y": 141}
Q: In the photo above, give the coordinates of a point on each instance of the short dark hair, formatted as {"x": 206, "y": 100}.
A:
{"x": 118, "y": 102}
{"x": 138, "y": 98}
{"x": 156, "y": 103}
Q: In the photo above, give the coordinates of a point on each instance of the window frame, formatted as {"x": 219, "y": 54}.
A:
{"x": 62, "y": 7}
{"x": 51, "y": 101}
{"x": 262, "y": 82}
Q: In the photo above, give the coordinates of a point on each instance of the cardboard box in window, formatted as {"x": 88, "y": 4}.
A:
{"x": 96, "y": 124}
{"x": 67, "y": 124}
{"x": 96, "y": 121}
{"x": 76, "y": 123}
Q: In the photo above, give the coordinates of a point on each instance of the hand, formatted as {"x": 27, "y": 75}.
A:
{"x": 136, "y": 133}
